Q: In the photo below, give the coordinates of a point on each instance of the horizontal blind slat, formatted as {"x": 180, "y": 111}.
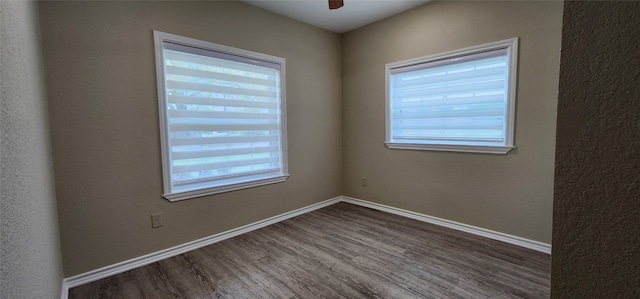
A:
{"x": 470, "y": 87}
{"x": 220, "y": 114}
{"x": 189, "y": 86}
{"x": 449, "y": 114}
{"x": 408, "y": 81}
{"x": 194, "y": 100}
{"x": 180, "y": 57}
{"x": 480, "y": 59}
{"x": 179, "y": 155}
{"x": 209, "y": 127}
{"x": 195, "y": 73}
{"x": 445, "y": 138}
{"x": 453, "y": 126}
{"x": 182, "y": 141}
{"x": 491, "y": 99}
{"x": 209, "y": 166}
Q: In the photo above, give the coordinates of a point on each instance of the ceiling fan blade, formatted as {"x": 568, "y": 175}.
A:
{"x": 335, "y": 4}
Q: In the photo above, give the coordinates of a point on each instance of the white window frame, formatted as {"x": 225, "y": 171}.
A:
{"x": 511, "y": 45}
{"x": 159, "y": 39}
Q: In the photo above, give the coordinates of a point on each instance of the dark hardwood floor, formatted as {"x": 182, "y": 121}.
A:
{"x": 341, "y": 251}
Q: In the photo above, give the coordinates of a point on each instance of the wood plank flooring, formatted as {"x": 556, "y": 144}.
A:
{"x": 341, "y": 251}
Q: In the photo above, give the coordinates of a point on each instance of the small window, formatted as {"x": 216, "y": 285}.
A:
{"x": 462, "y": 100}
{"x": 222, "y": 117}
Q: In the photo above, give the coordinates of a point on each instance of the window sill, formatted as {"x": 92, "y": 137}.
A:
{"x": 222, "y": 189}
{"x": 451, "y": 148}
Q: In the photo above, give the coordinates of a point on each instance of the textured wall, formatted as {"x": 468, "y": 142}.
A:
{"x": 596, "y": 217}
{"x": 30, "y": 246}
{"x": 510, "y": 193}
{"x": 101, "y": 80}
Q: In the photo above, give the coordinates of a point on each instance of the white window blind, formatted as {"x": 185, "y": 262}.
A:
{"x": 223, "y": 118}
{"x": 455, "y": 101}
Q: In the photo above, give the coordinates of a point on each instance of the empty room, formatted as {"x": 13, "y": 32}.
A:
{"x": 319, "y": 149}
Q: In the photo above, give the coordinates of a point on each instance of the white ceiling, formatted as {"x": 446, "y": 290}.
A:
{"x": 354, "y": 13}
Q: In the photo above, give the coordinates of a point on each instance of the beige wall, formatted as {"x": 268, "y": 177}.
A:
{"x": 31, "y": 262}
{"x": 99, "y": 60}
{"x": 596, "y": 215}
{"x": 510, "y": 193}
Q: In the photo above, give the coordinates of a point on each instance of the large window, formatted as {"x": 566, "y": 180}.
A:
{"x": 462, "y": 100}
{"x": 222, "y": 117}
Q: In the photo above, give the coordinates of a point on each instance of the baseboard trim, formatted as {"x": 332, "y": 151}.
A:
{"x": 124, "y": 266}
{"x": 514, "y": 240}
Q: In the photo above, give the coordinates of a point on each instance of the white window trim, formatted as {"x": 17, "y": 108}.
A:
{"x": 512, "y": 51}
{"x": 159, "y": 39}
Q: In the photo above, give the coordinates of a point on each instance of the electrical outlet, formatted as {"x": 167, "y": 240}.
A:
{"x": 156, "y": 220}
{"x": 365, "y": 182}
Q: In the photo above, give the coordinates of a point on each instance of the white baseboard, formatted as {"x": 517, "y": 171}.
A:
{"x": 519, "y": 241}
{"x": 124, "y": 266}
